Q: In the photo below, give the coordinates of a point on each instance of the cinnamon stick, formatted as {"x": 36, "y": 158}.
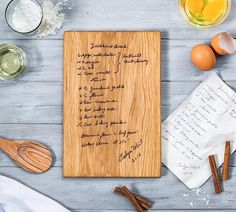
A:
{"x": 225, "y": 171}
{"x": 132, "y": 199}
{"x": 215, "y": 175}
{"x": 145, "y": 203}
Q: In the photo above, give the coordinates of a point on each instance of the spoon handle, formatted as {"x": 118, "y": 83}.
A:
{"x": 8, "y": 146}
{"x": 4, "y": 142}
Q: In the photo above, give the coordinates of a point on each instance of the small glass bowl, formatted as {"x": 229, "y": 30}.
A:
{"x": 200, "y": 24}
{"x": 8, "y": 14}
{"x": 13, "y": 52}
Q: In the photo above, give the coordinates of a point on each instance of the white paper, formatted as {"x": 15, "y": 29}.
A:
{"x": 199, "y": 128}
{"x": 15, "y": 197}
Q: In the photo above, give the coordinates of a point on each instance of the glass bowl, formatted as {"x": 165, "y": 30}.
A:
{"x": 13, "y": 61}
{"x": 9, "y": 13}
{"x": 201, "y": 23}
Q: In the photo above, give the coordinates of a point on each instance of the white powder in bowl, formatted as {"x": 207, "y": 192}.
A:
{"x": 26, "y": 15}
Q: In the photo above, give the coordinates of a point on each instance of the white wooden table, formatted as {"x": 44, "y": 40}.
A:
{"x": 31, "y": 107}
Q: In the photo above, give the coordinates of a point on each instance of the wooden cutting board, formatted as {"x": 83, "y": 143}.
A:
{"x": 112, "y": 104}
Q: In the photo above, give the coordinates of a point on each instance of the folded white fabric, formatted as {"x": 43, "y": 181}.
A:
{"x": 15, "y": 197}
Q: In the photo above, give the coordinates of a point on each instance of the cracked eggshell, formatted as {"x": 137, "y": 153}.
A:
{"x": 224, "y": 44}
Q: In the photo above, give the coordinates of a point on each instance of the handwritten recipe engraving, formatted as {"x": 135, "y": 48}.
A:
{"x": 112, "y": 104}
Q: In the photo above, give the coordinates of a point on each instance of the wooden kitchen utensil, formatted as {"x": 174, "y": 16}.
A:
{"x": 112, "y": 104}
{"x": 30, "y": 155}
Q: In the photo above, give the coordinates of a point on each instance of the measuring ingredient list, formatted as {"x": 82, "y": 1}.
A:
{"x": 112, "y": 104}
{"x": 199, "y": 128}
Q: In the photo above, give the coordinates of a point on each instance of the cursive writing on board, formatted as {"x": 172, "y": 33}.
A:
{"x": 99, "y": 100}
{"x": 111, "y": 46}
{"x": 127, "y": 154}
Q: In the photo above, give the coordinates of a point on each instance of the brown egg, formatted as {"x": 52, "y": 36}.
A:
{"x": 203, "y": 57}
{"x": 224, "y": 43}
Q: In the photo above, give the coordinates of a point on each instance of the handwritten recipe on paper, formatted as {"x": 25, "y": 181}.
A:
{"x": 112, "y": 104}
{"x": 199, "y": 128}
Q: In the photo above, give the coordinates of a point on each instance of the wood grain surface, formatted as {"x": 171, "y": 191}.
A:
{"x": 31, "y": 107}
{"x": 112, "y": 104}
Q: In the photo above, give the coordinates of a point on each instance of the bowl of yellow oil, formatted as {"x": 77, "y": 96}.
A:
{"x": 12, "y": 62}
{"x": 205, "y": 13}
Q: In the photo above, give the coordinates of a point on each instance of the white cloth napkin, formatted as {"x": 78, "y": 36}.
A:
{"x": 15, "y": 197}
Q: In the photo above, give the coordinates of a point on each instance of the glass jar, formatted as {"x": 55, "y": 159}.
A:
{"x": 12, "y": 62}
{"x": 204, "y": 14}
{"x": 13, "y": 13}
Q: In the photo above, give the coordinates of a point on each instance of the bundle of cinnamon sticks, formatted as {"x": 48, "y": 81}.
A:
{"x": 139, "y": 203}
{"x": 225, "y": 171}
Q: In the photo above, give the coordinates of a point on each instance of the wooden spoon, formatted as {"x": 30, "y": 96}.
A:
{"x": 30, "y": 155}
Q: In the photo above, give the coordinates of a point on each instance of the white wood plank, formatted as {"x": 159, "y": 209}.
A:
{"x": 41, "y": 102}
{"x": 128, "y": 15}
{"x": 89, "y": 194}
{"x": 48, "y": 134}
{"x": 45, "y": 59}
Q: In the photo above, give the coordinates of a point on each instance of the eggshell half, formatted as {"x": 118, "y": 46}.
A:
{"x": 224, "y": 43}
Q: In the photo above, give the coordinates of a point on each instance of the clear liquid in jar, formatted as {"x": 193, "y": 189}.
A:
{"x": 12, "y": 62}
